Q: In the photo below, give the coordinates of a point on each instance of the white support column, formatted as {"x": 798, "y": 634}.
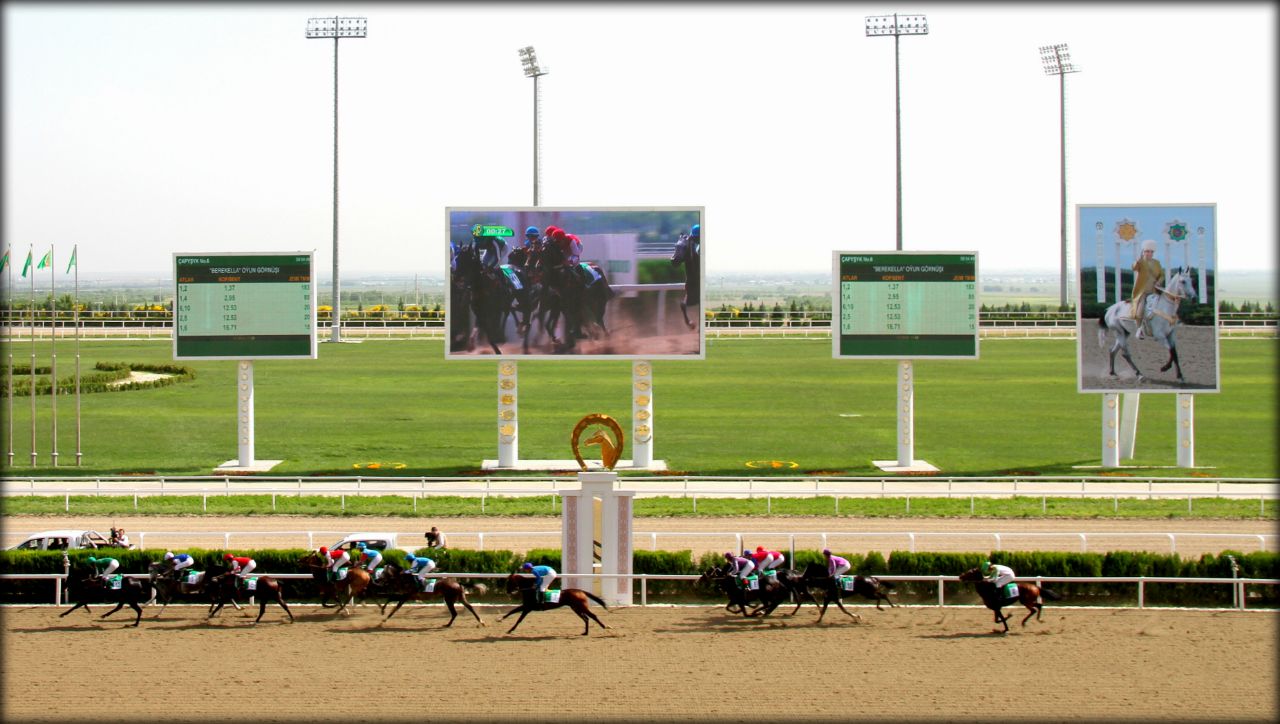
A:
{"x": 641, "y": 414}
{"x": 244, "y": 413}
{"x": 573, "y": 511}
{"x": 616, "y": 547}
{"x": 508, "y": 415}
{"x": 1128, "y": 423}
{"x": 1110, "y": 430}
{"x": 906, "y": 417}
{"x": 1100, "y": 268}
{"x": 1204, "y": 261}
{"x": 1186, "y": 430}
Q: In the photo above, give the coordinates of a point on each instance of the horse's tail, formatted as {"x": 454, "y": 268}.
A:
{"x": 475, "y": 588}
{"x": 885, "y": 584}
{"x": 1102, "y": 331}
{"x": 1052, "y": 596}
{"x": 595, "y": 598}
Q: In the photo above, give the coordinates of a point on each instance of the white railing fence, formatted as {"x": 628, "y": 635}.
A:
{"x": 1239, "y": 585}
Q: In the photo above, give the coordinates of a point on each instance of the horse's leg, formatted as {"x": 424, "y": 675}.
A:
{"x": 467, "y": 604}
{"x": 453, "y": 611}
{"x": 1173, "y": 362}
{"x": 137, "y": 610}
{"x": 69, "y": 610}
{"x": 285, "y": 606}
{"x": 119, "y": 606}
{"x": 524, "y": 611}
{"x": 512, "y": 612}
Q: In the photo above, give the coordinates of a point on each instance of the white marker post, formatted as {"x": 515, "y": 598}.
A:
{"x": 641, "y": 413}
{"x": 1186, "y": 430}
{"x": 244, "y": 413}
{"x": 1128, "y": 423}
{"x": 906, "y": 415}
{"x": 1110, "y": 430}
{"x": 508, "y": 417}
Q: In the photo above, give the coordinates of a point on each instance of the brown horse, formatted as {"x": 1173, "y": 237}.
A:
{"x": 1029, "y": 595}
{"x": 225, "y": 586}
{"x": 344, "y": 591}
{"x": 574, "y": 598}
{"x": 815, "y": 574}
{"x": 92, "y": 589}
{"x": 770, "y": 595}
{"x": 403, "y": 587}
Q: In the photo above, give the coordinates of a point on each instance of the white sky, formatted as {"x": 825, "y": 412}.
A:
{"x": 136, "y": 131}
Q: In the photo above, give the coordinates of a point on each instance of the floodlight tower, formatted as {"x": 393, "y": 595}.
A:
{"x": 1057, "y": 61}
{"x": 897, "y": 25}
{"x": 529, "y": 60}
{"x": 336, "y": 28}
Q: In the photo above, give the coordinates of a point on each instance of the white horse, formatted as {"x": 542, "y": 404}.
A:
{"x": 1161, "y": 316}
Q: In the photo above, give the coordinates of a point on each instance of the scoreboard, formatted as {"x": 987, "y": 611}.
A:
{"x": 244, "y": 306}
{"x": 905, "y": 305}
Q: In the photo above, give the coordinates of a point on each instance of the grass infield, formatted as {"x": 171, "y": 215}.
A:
{"x": 398, "y": 408}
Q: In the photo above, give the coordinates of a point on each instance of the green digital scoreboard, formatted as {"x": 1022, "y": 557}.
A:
{"x": 905, "y": 305}
{"x": 244, "y": 306}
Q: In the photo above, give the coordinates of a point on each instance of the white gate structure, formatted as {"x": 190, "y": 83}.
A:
{"x": 596, "y": 537}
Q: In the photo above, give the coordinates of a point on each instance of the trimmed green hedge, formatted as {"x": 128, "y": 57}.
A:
{"x": 102, "y": 380}
{"x": 1030, "y": 563}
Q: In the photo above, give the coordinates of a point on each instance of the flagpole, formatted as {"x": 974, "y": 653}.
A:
{"x": 53, "y": 357}
{"x": 30, "y": 256}
{"x": 76, "y": 306}
{"x": 9, "y": 323}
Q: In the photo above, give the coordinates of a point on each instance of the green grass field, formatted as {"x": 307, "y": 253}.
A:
{"x": 400, "y": 405}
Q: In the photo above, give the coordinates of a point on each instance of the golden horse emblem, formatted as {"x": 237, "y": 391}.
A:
{"x": 610, "y": 449}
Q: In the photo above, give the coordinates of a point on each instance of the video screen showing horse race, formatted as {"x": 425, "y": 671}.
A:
{"x": 595, "y": 283}
{"x": 1148, "y": 305}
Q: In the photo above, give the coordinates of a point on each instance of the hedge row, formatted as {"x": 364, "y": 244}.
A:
{"x": 1035, "y": 563}
{"x": 102, "y": 380}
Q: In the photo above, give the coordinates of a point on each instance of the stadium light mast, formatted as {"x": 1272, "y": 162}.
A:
{"x": 336, "y": 28}
{"x": 1057, "y": 61}
{"x": 529, "y": 61}
{"x": 897, "y": 25}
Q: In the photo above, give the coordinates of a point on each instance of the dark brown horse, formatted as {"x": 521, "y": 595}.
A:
{"x": 92, "y": 589}
{"x": 815, "y": 575}
{"x": 401, "y": 586}
{"x": 168, "y": 587}
{"x": 344, "y": 591}
{"x": 224, "y": 586}
{"x": 1029, "y": 595}
{"x": 688, "y": 251}
{"x": 575, "y": 598}
{"x": 769, "y": 596}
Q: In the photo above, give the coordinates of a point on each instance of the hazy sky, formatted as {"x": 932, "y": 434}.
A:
{"x": 139, "y": 130}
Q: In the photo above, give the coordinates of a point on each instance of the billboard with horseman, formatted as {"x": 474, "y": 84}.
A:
{"x": 560, "y": 282}
{"x": 1147, "y": 314}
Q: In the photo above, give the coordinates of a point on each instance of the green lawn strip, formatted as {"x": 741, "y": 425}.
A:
{"x": 658, "y": 507}
{"x": 400, "y": 406}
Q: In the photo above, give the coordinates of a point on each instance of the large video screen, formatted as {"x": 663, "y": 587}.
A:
{"x": 905, "y": 304}
{"x": 561, "y": 282}
{"x": 1147, "y": 313}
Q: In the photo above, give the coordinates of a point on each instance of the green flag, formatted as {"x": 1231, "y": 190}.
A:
{"x": 4, "y": 260}
{"x": 73, "y": 259}
{"x": 27, "y": 266}
{"x": 46, "y": 259}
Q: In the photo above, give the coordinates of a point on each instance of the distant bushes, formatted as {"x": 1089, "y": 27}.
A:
{"x": 105, "y": 377}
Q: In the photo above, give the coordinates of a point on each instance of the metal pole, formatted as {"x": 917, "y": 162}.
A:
{"x": 897, "y": 125}
{"x": 53, "y": 360}
{"x": 76, "y": 304}
{"x": 1062, "y": 126}
{"x": 30, "y": 256}
{"x": 535, "y": 140}
{"x": 336, "y": 314}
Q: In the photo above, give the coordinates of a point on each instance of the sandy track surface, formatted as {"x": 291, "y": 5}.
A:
{"x": 653, "y": 664}
{"x": 1197, "y": 356}
{"x": 514, "y": 533}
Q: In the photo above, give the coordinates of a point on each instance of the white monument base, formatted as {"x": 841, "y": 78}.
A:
{"x": 257, "y": 466}
{"x": 571, "y": 465}
{"x": 916, "y": 466}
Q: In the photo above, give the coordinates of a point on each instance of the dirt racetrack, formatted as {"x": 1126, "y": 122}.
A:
{"x": 654, "y": 664}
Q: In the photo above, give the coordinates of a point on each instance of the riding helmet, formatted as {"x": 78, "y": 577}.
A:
{"x": 696, "y": 231}
{"x": 527, "y": 566}
{"x": 531, "y": 230}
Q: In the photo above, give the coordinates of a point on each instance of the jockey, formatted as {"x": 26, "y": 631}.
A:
{"x": 767, "y": 560}
{"x": 542, "y": 576}
{"x": 418, "y": 566}
{"x": 371, "y": 556}
{"x": 240, "y": 565}
{"x": 177, "y": 562}
{"x": 334, "y": 559}
{"x": 531, "y": 236}
{"x": 1147, "y": 274}
{"x": 999, "y": 576}
{"x": 575, "y": 248}
{"x": 836, "y": 566}
{"x": 487, "y": 244}
{"x": 103, "y": 567}
{"x": 740, "y": 566}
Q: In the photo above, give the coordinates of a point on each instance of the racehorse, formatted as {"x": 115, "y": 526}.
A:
{"x": 343, "y": 591}
{"x": 564, "y": 291}
{"x": 403, "y": 586}
{"x": 574, "y": 598}
{"x": 815, "y": 574}
{"x": 688, "y": 251}
{"x": 92, "y": 589}
{"x": 1029, "y": 595}
{"x": 1162, "y": 319}
{"x": 489, "y": 292}
{"x": 224, "y": 586}
{"x": 770, "y": 595}
{"x": 167, "y": 588}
